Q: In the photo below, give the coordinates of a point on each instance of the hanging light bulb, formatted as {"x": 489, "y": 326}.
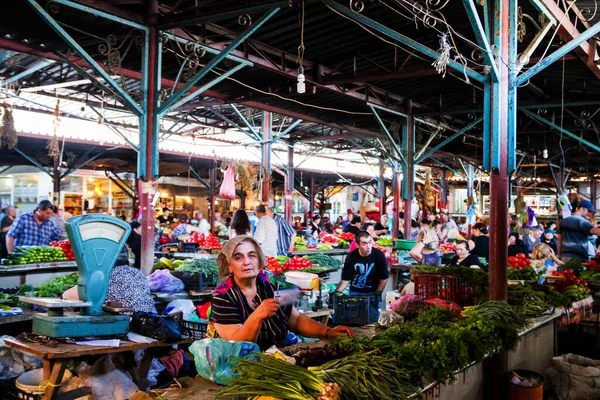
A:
{"x": 545, "y": 153}
{"x": 301, "y": 87}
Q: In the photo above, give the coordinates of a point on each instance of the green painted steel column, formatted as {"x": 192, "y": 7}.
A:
{"x": 267, "y": 122}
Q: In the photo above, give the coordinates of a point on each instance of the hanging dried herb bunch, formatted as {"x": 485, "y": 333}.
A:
{"x": 52, "y": 146}
{"x": 8, "y": 133}
{"x": 246, "y": 177}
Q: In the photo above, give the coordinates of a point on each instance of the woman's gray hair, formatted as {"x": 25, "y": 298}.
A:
{"x": 227, "y": 253}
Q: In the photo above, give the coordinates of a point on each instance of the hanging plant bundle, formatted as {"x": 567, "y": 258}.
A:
{"x": 8, "y": 135}
{"x": 428, "y": 192}
{"x": 246, "y": 177}
{"x": 53, "y": 146}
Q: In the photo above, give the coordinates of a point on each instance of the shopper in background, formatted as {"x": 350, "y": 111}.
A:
{"x": 348, "y": 221}
{"x": 57, "y": 220}
{"x": 166, "y": 217}
{"x": 480, "y": 242}
{"x": 201, "y": 222}
{"x": 381, "y": 227}
{"x": 543, "y": 252}
{"x": 354, "y": 226}
{"x": 574, "y": 232}
{"x": 549, "y": 239}
{"x": 184, "y": 228}
{"x": 315, "y": 225}
{"x": 365, "y": 268}
{"x": 339, "y": 222}
{"x": 266, "y": 233}
{"x": 134, "y": 241}
{"x": 286, "y": 234}
{"x": 532, "y": 238}
{"x": 244, "y": 307}
{"x": 424, "y": 251}
{"x": 329, "y": 228}
{"x": 34, "y": 228}
{"x": 10, "y": 213}
{"x": 240, "y": 225}
{"x": 218, "y": 224}
{"x": 515, "y": 244}
{"x": 464, "y": 257}
{"x": 68, "y": 213}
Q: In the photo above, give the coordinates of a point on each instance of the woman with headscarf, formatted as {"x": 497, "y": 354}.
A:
{"x": 244, "y": 307}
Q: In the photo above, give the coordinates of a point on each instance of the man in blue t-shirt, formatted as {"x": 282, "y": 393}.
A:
{"x": 574, "y": 232}
{"x": 365, "y": 268}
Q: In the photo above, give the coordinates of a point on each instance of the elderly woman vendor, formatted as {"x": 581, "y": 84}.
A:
{"x": 244, "y": 307}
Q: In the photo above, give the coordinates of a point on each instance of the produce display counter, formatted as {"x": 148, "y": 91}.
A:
{"x": 34, "y": 274}
{"x": 194, "y": 255}
{"x": 332, "y": 252}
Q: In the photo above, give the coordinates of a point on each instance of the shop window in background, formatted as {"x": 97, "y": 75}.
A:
{"x": 97, "y": 195}
{"x": 6, "y": 185}
{"x": 184, "y": 204}
{"x": 72, "y": 184}
{"x": 26, "y": 193}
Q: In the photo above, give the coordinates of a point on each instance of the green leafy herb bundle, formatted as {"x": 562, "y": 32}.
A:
{"x": 57, "y": 286}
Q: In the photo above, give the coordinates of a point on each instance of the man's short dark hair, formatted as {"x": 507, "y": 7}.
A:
{"x": 260, "y": 209}
{"x": 359, "y": 235}
{"x": 45, "y": 205}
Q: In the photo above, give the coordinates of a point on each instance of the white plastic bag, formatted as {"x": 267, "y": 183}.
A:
{"x": 389, "y": 318}
{"x": 185, "y": 306}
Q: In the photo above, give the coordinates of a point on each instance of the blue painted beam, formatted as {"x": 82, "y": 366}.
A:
{"x": 482, "y": 38}
{"x": 30, "y": 70}
{"x": 558, "y": 54}
{"x": 486, "y": 21}
{"x": 34, "y": 162}
{"x": 83, "y": 54}
{"x": 437, "y": 160}
{"x": 487, "y": 125}
{"x": 402, "y": 39}
{"x": 74, "y": 167}
{"x": 250, "y": 134}
{"x": 245, "y": 121}
{"x": 197, "y": 176}
{"x": 287, "y": 130}
{"x": 512, "y": 89}
{"x": 564, "y": 131}
{"x": 397, "y": 151}
{"x": 205, "y": 87}
{"x": 101, "y": 14}
{"x": 448, "y": 140}
{"x": 4, "y": 54}
{"x": 216, "y": 60}
{"x": 83, "y": 164}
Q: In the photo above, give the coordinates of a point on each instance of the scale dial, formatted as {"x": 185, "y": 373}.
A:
{"x": 101, "y": 230}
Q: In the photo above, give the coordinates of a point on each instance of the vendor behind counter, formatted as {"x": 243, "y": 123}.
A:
{"x": 244, "y": 307}
{"x": 34, "y": 228}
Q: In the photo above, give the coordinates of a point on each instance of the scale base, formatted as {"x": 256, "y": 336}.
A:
{"x": 80, "y": 325}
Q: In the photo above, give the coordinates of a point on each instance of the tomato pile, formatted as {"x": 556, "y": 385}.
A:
{"x": 295, "y": 263}
{"x": 209, "y": 241}
{"x": 273, "y": 265}
{"x": 592, "y": 265}
{"x": 65, "y": 246}
{"x": 519, "y": 262}
{"x": 448, "y": 247}
{"x": 346, "y": 236}
{"x": 329, "y": 239}
{"x": 568, "y": 280}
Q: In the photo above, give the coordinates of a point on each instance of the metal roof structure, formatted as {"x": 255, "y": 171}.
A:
{"x": 348, "y": 65}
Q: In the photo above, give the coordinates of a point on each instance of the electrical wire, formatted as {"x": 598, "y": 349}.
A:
{"x": 301, "y": 48}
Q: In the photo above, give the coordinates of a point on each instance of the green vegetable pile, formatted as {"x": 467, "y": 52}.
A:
{"x": 525, "y": 274}
{"x": 527, "y": 300}
{"x": 324, "y": 261}
{"x": 385, "y": 242}
{"x": 34, "y": 254}
{"x": 206, "y": 266}
{"x": 57, "y": 286}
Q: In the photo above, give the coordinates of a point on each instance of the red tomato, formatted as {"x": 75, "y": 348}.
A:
{"x": 521, "y": 256}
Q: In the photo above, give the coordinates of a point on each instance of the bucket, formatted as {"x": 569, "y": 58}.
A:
{"x": 518, "y": 392}
{"x": 30, "y": 381}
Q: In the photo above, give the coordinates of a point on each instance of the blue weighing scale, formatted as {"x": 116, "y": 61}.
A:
{"x": 97, "y": 241}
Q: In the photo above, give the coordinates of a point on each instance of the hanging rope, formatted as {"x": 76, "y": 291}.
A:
{"x": 301, "y": 48}
{"x": 444, "y": 59}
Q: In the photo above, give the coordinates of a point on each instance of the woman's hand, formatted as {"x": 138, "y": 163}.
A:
{"x": 338, "y": 331}
{"x": 429, "y": 237}
{"x": 266, "y": 309}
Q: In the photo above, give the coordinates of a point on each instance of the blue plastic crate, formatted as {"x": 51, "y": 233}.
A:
{"x": 355, "y": 310}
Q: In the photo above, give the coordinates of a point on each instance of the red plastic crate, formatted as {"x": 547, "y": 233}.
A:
{"x": 428, "y": 286}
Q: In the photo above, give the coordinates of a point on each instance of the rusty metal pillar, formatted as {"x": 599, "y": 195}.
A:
{"x": 213, "y": 183}
{"x": 396, "y": 194}
{"x": 56, "y": 183}
{"x": 593, "y": 193}
{"x": 267, "y": 119}
{"x": 312, "y": 198}
{"x": 289, "y": 187}
{"x": 381, "y": 189}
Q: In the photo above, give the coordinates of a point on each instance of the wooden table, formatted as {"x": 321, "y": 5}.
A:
{"x": 54, "y": 360}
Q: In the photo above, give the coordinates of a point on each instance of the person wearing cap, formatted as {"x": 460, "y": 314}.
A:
{"x": 354, "y": 226}
{"x": 549, "y": 239}
{"x": 166, "y": 217}
{"x": 574, "y": 232}
{"x": 134, "y": 241}
{"x": 244, "y": 307}
{"x": 532, "y": 238}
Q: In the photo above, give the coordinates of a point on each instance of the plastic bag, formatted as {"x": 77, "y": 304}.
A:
{"x": 212, "y": 357}
{"x": 162, "y": 281}
{"x": 574, "y": 377}
{"x": 185, "y": 306}
{"x": 389, "y": 318}
{"x": 409, "y": 306}
{"x": 227, "y": 189}
{"x": 13, "y": 362}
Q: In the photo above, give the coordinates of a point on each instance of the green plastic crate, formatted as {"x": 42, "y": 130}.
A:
{"x": 403, "y": 244}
